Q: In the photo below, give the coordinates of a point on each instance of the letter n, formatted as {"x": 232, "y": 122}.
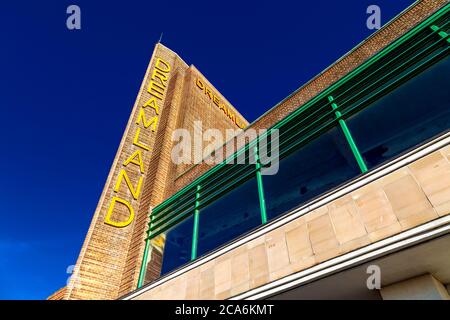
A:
{"x": 123, "y": 174}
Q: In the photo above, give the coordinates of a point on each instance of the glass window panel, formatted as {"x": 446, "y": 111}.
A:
{"x": 178, "y": 244}
{"x": 413, "y": 113}
{"x": 169, "y": 250}
{"x": 232, "y": 215}
{"x": 315, "y": 168}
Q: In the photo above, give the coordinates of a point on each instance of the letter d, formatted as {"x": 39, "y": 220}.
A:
{"x": 162, "y": 65}
{"x": 110, "y": 211}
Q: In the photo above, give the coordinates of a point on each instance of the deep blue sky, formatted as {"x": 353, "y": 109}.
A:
{"x": 65, "y": 97}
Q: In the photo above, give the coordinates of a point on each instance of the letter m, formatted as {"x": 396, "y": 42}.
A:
{"x": 151, "y": 122}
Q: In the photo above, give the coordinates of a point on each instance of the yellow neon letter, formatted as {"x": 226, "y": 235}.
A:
{"x": 156, "y": 90}
{"x": 216, "y": 100}
{"x": 165, "y": 65}
{"x": 208, "y": 93}
{"x": 230, "y": 114}
{"x": 137, "y": 143}
{"x": 152, "y": 103}
{"x": 200, "y": 84}
{"x": 153, "y": 120}
{"x": 123, "y": 174}
{"x": 110, "y": 211}
{"x": 138, "y": 162}
{"x": 159, "y": 75}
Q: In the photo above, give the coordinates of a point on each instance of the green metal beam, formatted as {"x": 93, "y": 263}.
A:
{"x": 196, "y": 224}
{"x": 262, "y": 201}
{"x": 348, "y": 136}
{"x": 441, "y": 32}
{"x": 143, "y": 264}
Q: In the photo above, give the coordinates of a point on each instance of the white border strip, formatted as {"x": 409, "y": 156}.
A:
{"x": 408, "y": 238}
{"x": 367, "y": 178}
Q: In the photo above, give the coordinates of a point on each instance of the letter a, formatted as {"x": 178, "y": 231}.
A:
{"x": 374, "y": 21}
{"x": 74, "y": 20}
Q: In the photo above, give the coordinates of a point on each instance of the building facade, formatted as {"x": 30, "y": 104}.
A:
{"x": 359, "y": 207}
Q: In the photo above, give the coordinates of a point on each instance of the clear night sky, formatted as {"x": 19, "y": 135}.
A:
{"x": 66, "y": 97}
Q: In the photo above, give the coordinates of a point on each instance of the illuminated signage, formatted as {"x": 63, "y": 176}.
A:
{"x": 144, "y": 121}
{"x": 221, "y": 105}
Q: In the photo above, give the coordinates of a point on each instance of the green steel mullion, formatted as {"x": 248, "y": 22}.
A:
{"x": 168, "y": 202}
{"x": 348, "y": 136}
{"x": 144, "y": 259}
{"x": 181, "y": 208}
{"x": 161, "y": 208}
{"x": 306, "y": 129}
{"x": 157, "y": 230}
{"x": 143, "y": 264}
{"x": 172, "y": 212}
{"x": 262, "y": 201}
{"x": 196, "y": 223}
{"x": 441, "y": 32}
{"x": 170, "y": 219}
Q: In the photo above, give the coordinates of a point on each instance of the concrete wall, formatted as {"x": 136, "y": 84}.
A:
{"x": 425, "y": 287}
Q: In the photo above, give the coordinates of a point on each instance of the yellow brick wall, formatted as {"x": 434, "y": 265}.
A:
{"x": 109, "y": 261}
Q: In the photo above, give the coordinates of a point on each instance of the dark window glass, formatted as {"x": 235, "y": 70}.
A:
{"x": 315, "y": 168}
{"x": 229, "y": 217}
{"x": 177, "y": 246}
{"x": 416, "y": 111}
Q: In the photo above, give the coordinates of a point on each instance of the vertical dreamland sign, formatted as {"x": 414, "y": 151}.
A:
{"x": 104, "y": 258}
{"x": 142, "y": 173}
